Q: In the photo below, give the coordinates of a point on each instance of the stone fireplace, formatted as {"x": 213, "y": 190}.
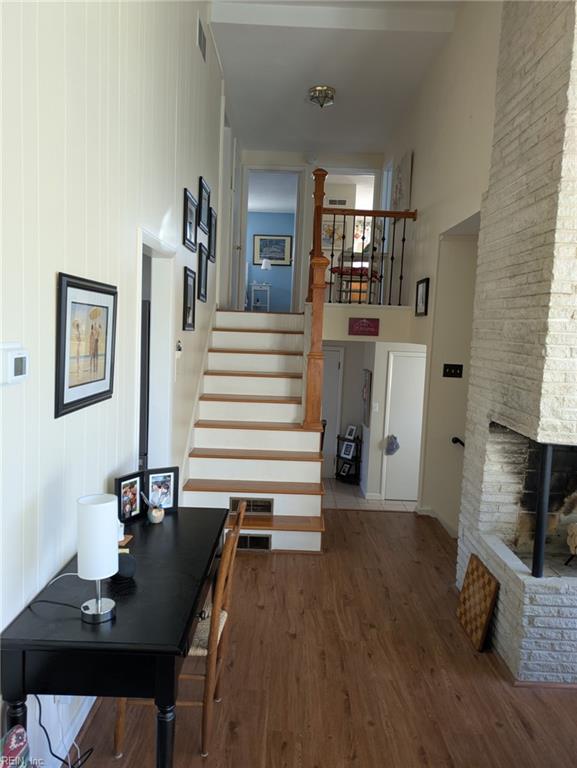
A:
{"x": 523, "y": 370}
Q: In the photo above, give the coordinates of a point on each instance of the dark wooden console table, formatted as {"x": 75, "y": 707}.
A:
{"x": 47, "y": 649}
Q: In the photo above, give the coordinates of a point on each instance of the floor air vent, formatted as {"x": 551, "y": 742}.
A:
{"x": 253, "y": 506}
{"x": 254, "y": 541}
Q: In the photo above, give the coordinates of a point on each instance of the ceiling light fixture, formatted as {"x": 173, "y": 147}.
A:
{"x": 323, "y": 95}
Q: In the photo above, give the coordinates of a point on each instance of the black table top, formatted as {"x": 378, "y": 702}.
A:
{"x": 154, "y": 615}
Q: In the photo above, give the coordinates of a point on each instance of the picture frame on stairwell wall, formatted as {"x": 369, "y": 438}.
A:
{"x": 203, "y": 205}
{"x": 422, "y": 297}
{"x": 189, "y": 300}
{"x": 202, "y": 273}
{"x": 189, "y": 221}
{"x": 212, "y": 235}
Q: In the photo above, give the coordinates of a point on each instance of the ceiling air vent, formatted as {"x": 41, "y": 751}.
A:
{"x": 339, "y": 203}
{"x": 201, "y": 39}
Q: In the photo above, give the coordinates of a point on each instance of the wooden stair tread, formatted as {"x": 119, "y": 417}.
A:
{"x": 257, "y": 374}
{"x": 283, "y": 400}
{"x": 310, "y": 524}
{"x": 253, "y": 486}
{"x": 266, "y": 425}
{"x": 233, "y": 351}
{"x": 259, "y": 330}
{"x": 241, "y": 453}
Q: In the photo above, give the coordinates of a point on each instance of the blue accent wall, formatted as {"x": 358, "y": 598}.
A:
{"x": 280, "y": 278}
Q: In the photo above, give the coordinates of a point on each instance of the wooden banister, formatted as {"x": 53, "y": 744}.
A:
{"x": 361, "y": 213}
{"x": 316, "y": 295}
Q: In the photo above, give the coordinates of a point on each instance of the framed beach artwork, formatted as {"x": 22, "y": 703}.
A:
{"x": 203, "y": 205}
{"x": 189, "y": 300}
{"x": 85, "y": 338}
{"x": 276, "y": 248}
{"x": 189, "y": 221}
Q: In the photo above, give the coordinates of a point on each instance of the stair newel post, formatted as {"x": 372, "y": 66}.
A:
{"x": 316, "y": 295}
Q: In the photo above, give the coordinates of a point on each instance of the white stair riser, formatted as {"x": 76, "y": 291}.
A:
{"x": 292, "y": 342}
{"x": 256, "y": 439}
{"x": 252, "y": 385}
{"x": 251, "y": 469}
{"x": 283, "y": 503}
{"x": 223, "y": 411}
{"x": 250, "y": 320}
{"x": 231, "y": 361}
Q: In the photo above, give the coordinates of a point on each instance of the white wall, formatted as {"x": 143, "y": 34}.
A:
{"x": 108, "y": 113}
{"x": 449, "y": 125}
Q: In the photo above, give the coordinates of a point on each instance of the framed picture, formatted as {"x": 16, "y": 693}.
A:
{"x": 348, "y": 450}
{"x": 402, "y": 183}
{"x": 162, "y": 487}
{"x": 351, "y": 432}
{"x": 203, "y": 205}
{"x": 333, "y": 233}
{"x": 422, "y": 297}
{"x": 276, "y": 248}
{"x": 189, "y": 220}
{"x": 85, "y": 337}
{"x": 212, "y": 235}
{"x": 128, "y": 490}
{"x": 345, "y": 469}
{"x": 188, "y": 300}
{"x": 366, "y": 396}
{"x": 202, "y": 272}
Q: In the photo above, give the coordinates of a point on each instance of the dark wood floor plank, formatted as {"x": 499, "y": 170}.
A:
{"x": 356, "y": 659}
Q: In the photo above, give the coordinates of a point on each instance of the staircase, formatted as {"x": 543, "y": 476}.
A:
{"x": 249, "y": 440}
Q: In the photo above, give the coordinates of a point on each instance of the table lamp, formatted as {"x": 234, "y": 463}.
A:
{"x": 97, "y": 551}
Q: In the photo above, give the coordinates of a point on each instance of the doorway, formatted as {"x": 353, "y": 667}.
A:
{"x": 332, "y": 399}
{"x": 144, "y": 416}
{"x": 270, "y": 252}
{"x": 403, "y": 425}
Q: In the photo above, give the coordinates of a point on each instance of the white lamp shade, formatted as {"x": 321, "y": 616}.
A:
{"x": 265, "y": 264}
{"x": 97, "y": 536}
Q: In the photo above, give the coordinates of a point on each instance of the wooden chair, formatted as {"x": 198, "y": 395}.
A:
{"x": 210, "y": 642}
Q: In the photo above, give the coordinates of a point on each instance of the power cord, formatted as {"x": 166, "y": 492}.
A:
{"x": 77, "y": 763}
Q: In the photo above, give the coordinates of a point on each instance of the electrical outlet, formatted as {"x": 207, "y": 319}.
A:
{"x": 452, "y": 371}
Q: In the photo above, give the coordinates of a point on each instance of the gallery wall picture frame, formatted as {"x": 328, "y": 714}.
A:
{"x": 85, "y": 343}
{"x": 203, "y": 205}
{"x": 128, "y": 489}
{"x": 161, "y": 487}
{"x": 189, "y": 300}
{"x": 351, "y": 432}
{"x": 276, "y": 248}
{"x": 348, "y": 450}
{"x": 189, "y": 220}
{"x": 212, "y": 219}
{"x": 202, "y": 290}
{"x": 422, "y": 297}
{"x": 345, "y": 469}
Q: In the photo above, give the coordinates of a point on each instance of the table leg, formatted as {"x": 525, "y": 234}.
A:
{"x": 165, "y": 720}
{"x": 15, "y": 713}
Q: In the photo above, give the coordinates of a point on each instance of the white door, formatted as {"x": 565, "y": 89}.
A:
{"x": 403, "y": 419}
{"x": 332, "y": 386}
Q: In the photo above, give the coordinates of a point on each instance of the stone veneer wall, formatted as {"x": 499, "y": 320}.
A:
{"x": 524, "y": 347}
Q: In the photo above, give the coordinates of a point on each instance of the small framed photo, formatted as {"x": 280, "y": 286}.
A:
{"x": 276, "y": 248}
{"x": 189, "y": 300}
{"x": 85, "y": 338}
{"x": 345, "y": 469}
{"x": 189, "y": 221}
{"x": 128, "y": 490}
{"x": 212, "y": 236}
{"x": 422, "y": 297}
{"x": 202, "y": 272}
{"x": 203, "y": 205}
{"x": 348, "y": 450}
{"x": 162, "y": 487}
{"x": 351, "y": 432}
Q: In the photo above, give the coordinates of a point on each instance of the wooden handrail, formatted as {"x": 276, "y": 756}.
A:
{"x": 316, "y": 295}
{"x": 370, "y": 214}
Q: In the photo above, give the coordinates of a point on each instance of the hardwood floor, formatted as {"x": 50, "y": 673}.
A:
{"x": 355, "y": 658}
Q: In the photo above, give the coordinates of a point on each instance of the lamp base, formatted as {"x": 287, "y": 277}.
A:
{"x": 98, "y": 611}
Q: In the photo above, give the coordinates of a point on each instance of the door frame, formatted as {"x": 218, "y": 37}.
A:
{"x": 391, "y": 354}
{"x": 162, "y": 343}
{"x": 298, "y": 247}
{"x": 341, "y": 353}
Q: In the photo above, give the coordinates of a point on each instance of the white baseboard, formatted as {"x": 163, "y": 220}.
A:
{"x": 372, "y": 496}
{"x": 430, "y": 512}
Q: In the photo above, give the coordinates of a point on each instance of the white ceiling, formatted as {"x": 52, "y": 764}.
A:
{"x": 374, "y": 54}
{"x": 272, "y": 191}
